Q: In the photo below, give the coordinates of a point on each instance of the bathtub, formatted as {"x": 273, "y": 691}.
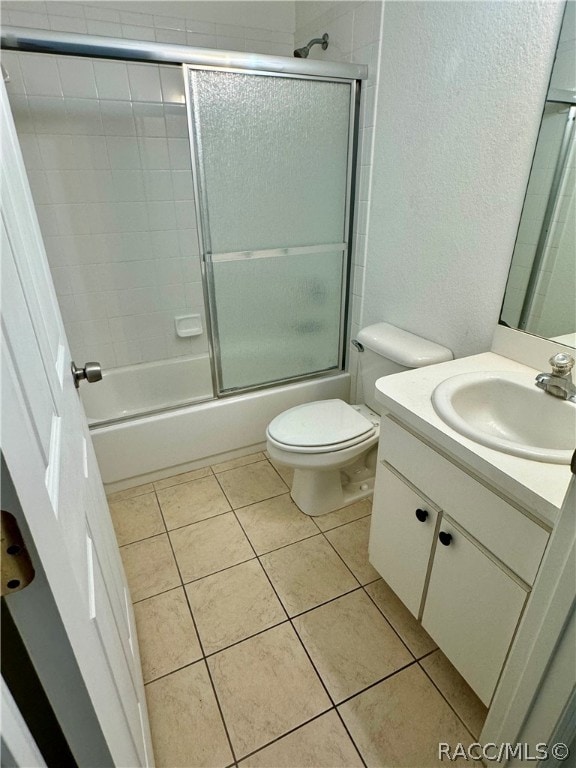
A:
{"x": 139, "y": 449}
{"x": 147, "y": 387}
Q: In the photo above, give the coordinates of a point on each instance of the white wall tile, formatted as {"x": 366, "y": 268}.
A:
{"x": 103, "y": 28}
{"x": 161, "y": 215}
{"x": 141, "y": 19}
{"x": 11, "y": 64}
{"x": 138, "y": 33}
{"x": 158, "y": 185}
{"x": 182, "y": 185}
{"x": 117, "y": 118}
{"x": 40, "y": 73}
{"x": 68, "y": 24}
{"x": 199, "y": 40}
{"x": 144, "y": 82}
{"x": 129, "y": 185}
{"x": 154, "y": 153}
{"x": 112, "y": 80}
{"x": 172, "y": 36}
{"x": 149, "y": 119}
{"x": 165, "y": 244}
{"x": 77, "y": 77}
{"x": 172, "y": 83}
{"x": 123, "y": 152}
{"x": 100, "y": 13}
{"x": 23, "y": 19}
{"x": 179, "y": 150}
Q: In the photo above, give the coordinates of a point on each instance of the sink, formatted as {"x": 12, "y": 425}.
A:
{"x": 507, "y": 412}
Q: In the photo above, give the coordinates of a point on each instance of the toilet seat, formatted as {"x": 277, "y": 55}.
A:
{"x": 319, "y": 427}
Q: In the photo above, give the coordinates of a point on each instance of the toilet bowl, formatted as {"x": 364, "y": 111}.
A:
{"x": 332, "y": 448}
{"x": 331, "y": 445}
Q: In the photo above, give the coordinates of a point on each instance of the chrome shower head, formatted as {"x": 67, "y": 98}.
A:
{"x": 302, "y": 53}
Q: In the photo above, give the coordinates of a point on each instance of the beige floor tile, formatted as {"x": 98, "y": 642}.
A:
{"x": 166, "y": 635}
{"x": 266, "y": 686}
{"x": 184, "y": 477}
{"x": 323, "y": 743}
{"x": 344, "y": 515}
{"x": 209, "y": 546}
{"x": 417, "y": 639}
{"x": 351, "y": 644}
{"x": 307, "y": 574}
{"x": 351, "y": 543}
{"x": 150, "y": 567}
{"x": 286, "y": 473}
{"x": 252, "y": 483}
{"x": 187, "y": 729}
{"x": 129, "y": 493}
{"x": 399, "y": 722}
{"x": 274, "y": 523}
{"x": 233, "y": 604}
{"x": 136, "y": 518}
{"x": 457, "y": 691}
{"x": 242, "y": 461}
{"x": 190, "y": 502}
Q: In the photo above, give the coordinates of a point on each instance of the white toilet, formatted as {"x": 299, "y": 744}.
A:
{"x": 331, "y": 445}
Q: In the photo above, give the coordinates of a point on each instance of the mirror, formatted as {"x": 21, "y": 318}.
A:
{"x": 540, "y": 295}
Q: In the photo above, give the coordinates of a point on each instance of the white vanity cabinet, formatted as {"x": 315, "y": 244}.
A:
{"x": 460, "y": 556}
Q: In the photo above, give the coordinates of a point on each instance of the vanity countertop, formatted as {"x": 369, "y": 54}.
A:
{"x": 537, "y": 486}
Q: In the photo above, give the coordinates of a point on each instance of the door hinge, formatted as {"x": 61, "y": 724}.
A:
{"x": 17, "y": 569}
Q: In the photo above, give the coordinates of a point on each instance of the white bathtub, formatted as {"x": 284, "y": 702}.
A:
{"x": 137, "y": 389}
{"x": 144, "y": 448}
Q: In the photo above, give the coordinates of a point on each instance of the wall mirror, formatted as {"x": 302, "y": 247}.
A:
{"x": 540, "y": 295}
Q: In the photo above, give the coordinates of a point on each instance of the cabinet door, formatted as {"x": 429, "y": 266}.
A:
{"x": 401, "y": 536}
{"x": 472, "y": 608}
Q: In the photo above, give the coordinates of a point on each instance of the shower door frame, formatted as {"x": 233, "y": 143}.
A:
{"x": 208, "y": 258}
{"x": 99, "y": 47}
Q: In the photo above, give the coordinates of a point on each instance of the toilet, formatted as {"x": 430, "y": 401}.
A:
{"x": 331, "y": 445}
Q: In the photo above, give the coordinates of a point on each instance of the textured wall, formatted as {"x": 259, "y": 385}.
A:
{"x": 461, "y": 92}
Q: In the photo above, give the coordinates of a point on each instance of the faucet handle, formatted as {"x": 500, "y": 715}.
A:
{"x": 561, "y": 363}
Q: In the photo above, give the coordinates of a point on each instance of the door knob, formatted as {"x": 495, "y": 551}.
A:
{"x": 445, "y": 538}
{"x": 422, "y": 515}
{"x": 91, "y": 372}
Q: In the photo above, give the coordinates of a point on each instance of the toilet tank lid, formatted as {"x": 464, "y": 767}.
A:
{"x": 402, "y": 347}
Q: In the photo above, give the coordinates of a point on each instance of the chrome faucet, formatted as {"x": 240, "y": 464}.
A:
{"x": 559, "y": 383}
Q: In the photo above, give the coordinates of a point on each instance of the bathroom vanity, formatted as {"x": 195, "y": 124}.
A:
{"x": 459, "y": 529}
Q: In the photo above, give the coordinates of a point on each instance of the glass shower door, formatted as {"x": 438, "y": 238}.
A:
{"x": 273, "y": 176}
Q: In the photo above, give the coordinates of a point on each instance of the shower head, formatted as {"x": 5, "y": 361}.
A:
{"x": 302, "y": 53}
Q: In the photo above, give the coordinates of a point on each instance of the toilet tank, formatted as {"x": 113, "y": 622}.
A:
{"x": 386, "y": 350}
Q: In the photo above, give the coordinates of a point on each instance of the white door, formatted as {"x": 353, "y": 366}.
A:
{"x": 85, "y": 651}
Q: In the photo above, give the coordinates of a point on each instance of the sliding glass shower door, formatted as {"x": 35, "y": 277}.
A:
{"x": 273, "y": 171}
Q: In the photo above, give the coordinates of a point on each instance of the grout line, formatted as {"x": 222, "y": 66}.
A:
{"x": 213, "y": 573}
{"x": 341, "y": 558}
{"x": 452, "y": 707}
{"x": 292, "y": 730}
{"x": 340, "y": 525}
{"x": 204, "y": 656}
{"x": 390, "y": 623}
{"x": 248, "y": 637}
{"x": 290, "y": 620}
{"x": 377, "y": 682}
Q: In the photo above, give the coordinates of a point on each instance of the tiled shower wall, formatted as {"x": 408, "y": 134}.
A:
{"x": 106, "y": 149}
{"x": 261, "y": 27}
{"x": 355, "y": 32}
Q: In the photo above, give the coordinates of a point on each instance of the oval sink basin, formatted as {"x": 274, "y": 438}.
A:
{"x": 507, "y": 412}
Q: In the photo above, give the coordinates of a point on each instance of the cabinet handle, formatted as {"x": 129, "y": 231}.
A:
{"x": 445, "y": 538}
{"x": 422, "y": 515}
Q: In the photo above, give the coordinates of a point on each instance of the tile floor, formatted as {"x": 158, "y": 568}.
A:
{"x": 267, "y": 638}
